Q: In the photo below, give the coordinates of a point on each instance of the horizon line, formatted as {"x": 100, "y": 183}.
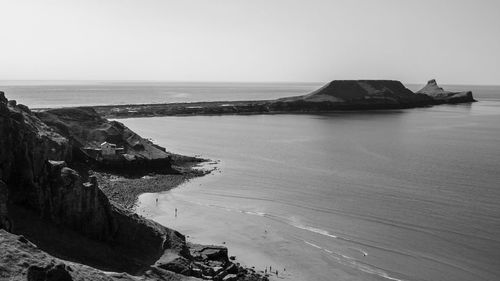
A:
{"x": 213, "y": 81}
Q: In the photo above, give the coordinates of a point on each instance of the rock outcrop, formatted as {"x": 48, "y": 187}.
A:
{"x": 41, "y": 187}
{"x": 87, "y": 130}
{"x": 442, "y": 96}
{"x": 68, "y": 216}
{"x": 362, "y": 94}
{"x": 21, "y": 260}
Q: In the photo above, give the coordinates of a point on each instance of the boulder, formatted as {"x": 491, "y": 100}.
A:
{"x": 212, "y": 253}
{"x": 173, "y": 262}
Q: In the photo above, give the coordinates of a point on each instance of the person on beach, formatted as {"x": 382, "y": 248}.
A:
{"x": 175, "y": 212}
{"x": 156, "y": 201}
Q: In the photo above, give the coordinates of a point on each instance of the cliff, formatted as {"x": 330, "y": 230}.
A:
{"x": 87, "y": 130}
{"x": 442, "y": 96}
{"x": 70, "y": 220}
{"x": 40, "y": 187}
{"x": 359, "y": 94}
{"x": 362, "y": 91}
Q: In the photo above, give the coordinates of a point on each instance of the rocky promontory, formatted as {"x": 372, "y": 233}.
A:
{"x": 57, "y": 223}
{"x": 337, "y": 95}
{"x": 442, "y": 96}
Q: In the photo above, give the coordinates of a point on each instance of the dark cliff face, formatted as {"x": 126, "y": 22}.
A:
{"x": 351, "y": 90}
{"x": 44, "y": 197}
{"x": 26, "y": 144}
{"x": 357, "y": 94}
{"x": 356, "y": 91}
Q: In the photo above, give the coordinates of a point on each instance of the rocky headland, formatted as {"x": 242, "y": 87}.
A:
{"x": 56, "y": 223}
{"x": 442, "y": 96}
{"x": 337, "y": 95}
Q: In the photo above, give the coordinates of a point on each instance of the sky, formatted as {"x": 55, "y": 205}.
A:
{"x": 456, "y": 42}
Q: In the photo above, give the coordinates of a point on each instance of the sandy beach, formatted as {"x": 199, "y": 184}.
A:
{"x": 254, "y": 238}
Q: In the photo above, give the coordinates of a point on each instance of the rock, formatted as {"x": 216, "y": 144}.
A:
{"x": 442, "y": 96}
{"x": 232, "y": 258}
{"x": 206, "y": 270}
{"x": 24, "y": 108}
{"x": 69, "y": 177}
{"x": 212, "y": 253}
{"x": 24, "y": 261}
{"x": 232, "y": 269}
{"x": 12, "y": 103}
{"x": 49, "y": 195}
{"x": 217, "y": 269}
{"x": 230, "y": 277}
{"x": 87, "y": 130}
{"x": 3, "y": 99}
{"x": 55, "y": 167}
{"x": 176, "y": 264}
{"x": 22, "y": 239}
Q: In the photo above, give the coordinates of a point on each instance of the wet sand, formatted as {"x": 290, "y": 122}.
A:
{"x": 256, "y": 239}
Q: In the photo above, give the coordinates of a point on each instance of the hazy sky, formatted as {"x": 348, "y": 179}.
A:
{"x": 251, "y": 40}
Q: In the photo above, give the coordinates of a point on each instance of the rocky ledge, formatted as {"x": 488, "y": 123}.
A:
{"x": 334, "y": 96}
{"x": 61, "y": 225}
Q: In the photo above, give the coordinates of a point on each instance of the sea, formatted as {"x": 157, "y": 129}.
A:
{"x": 411, "y": 194}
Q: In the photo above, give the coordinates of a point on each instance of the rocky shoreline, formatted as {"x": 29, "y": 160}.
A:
{"x": 57, "y": 223}
{"x": 125, "y": 190}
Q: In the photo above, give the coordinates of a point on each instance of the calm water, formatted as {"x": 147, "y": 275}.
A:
{"x": 394, "y": 195}
{"x": 66, "y": 93}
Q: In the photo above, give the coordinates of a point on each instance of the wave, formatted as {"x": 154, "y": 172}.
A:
{"x": 314, "y": 229}
{"x": 260, "y": 214}
{"x": 352, "y": 262}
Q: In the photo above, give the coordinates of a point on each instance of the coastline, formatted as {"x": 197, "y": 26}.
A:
{"x": 242, "y": 108}
{"x": 125, "y": 190}
{"x": 63, "y": 213}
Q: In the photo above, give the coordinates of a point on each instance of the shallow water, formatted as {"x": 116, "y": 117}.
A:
{"x": 381, "y": 195}
{"x": 399, "y": 195}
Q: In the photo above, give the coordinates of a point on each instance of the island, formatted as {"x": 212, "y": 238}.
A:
{"x": 338, "y": 95}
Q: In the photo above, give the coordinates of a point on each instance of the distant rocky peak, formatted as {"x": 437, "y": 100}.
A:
{"x": 431, "y": 88}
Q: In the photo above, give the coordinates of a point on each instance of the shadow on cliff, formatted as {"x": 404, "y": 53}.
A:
{"x": 65, "y": 214}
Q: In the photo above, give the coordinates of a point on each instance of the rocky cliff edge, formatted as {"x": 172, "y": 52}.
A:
{"x": 46, "y": 203}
